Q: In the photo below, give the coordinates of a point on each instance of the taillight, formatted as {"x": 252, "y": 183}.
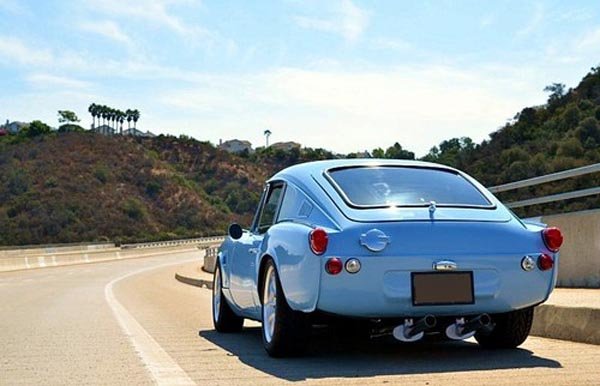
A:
{"x": 334, "y": 266}
{"x": 318, "y": 240}
{"x": 553, "y": 238}
{"x": 545, "y": 262}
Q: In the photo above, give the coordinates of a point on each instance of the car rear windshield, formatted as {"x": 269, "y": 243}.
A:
{"x": 385, "y": 186}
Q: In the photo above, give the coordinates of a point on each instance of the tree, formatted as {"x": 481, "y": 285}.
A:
{"x": 66, "y": 116}
{"x": 397, "y": 152}
{"x": 557, "y": 92}
{"x": 93, "y": 110}
{"x": 36, "y": 128}
{"x": 112, "y": 116}
{"x": 104, "y": 114}
{"x": 121, "y": 120}
{"x": 129, "y": 114}
{"x": 378, "y": 153}
{"x": 135, "y": 116}
{"x": 70, "y": 127}
{"x": 451, "y": 152}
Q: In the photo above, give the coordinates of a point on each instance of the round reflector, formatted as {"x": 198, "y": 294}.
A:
{"x": 353, "y": 265}
{"x": 545, "y": 262}
{"x": 334, "y": 266}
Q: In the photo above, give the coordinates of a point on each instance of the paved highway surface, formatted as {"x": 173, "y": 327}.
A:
{"x": 130, "y": 322}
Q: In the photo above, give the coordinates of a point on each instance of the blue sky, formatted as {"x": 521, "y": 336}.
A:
{"x": 346, "y": 75}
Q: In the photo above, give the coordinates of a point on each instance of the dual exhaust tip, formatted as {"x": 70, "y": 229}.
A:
{"x": 411, "y": 331}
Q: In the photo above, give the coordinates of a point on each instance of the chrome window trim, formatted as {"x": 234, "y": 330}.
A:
{"x": 351, "y": 204}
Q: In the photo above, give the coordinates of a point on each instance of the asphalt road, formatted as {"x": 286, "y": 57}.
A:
{"x": 130, "y": 322}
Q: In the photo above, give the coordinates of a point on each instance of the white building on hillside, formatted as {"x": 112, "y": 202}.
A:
{"x": 14, "y": 127}
{"x": 104, "y": 130}
{"x": 236, "y": 146}
{"x": 138, "y": 133}
{"x": 286, "y": 146}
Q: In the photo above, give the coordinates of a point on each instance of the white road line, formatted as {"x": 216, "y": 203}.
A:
{"x": 163, "y": 369}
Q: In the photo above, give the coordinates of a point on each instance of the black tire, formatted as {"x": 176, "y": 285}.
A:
{"x": 224, "y": 319}
{"x": 291, "y": 329}
{"x": 510, "y": 329}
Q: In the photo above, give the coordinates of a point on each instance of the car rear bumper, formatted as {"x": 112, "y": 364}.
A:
{"x": 383, "y": 287}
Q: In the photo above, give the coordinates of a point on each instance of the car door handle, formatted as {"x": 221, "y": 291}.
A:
{"x": 253, "y": 251}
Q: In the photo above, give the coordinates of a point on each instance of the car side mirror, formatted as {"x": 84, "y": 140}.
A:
{"x": 235, "y": 231}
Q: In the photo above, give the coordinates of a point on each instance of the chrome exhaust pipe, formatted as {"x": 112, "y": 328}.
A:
{"x": 465, "y": 329}
{"x": 411, "y": 332}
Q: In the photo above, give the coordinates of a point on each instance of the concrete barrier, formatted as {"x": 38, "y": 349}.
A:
{"x": 210, "y": 259}
{"x": 577, "y": 324}
{"x": 29, "y": 258}
{"x": 580, "y": 254}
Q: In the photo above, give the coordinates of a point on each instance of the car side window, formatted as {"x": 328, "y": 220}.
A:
{"x": 270, "y": 207}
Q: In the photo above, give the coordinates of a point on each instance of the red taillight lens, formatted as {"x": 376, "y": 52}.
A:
{"x": 545, "y": 262}
{"x": 334, "y": 266}
{"x": 318, "y": 241}
{"x": 553, "y": 238}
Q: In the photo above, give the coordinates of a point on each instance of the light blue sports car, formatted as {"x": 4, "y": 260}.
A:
{"x": 409, "y": 248}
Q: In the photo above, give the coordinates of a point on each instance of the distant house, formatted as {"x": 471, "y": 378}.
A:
{"x": 138, "y": 133}
{"x": 3, "y": 132}
{"x": 104, "y": 130}
{"x": 286, "y": 146}
{"x": 14, "y": 127}
{"x": 236, "y": 146}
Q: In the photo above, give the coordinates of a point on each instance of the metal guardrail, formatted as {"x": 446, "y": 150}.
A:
{"x": 594, "y": 168}
{"x": 154, "y": 244}
{"x": 89, "y": 245}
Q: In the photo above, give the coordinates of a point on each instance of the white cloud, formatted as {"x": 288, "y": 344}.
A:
{"x": 108, "y": 29}
{"x": 43, "y": 80}
{"x": 14, "y": 51}
{"x": 576, "y": 15}
{"x": 346, "y": 20}
{"x": 391, "y": 44}
{"x": 589, "y": 40}
{"x": 486, "y": 21}
{"x": 356, "y": 110}
{"x": 12, "y": 6}
{"x": 155, "y": 12}
{"x": 536, "y": 19}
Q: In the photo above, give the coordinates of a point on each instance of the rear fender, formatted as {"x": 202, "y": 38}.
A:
{"x": 298, "y": 268}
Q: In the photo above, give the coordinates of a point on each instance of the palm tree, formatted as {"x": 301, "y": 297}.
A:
{"x": 92, "y": 110}
{"x": 110, "y": 115}
{"x": 115, "y": 118}
{"x": 129, "y": 114}
{"x": 267, "y": 135}
{"x": 121, "y": 120}
{"x": 96, "y": 113}
{"x": 136, "y": 116}
{"x": 104, "y": 114}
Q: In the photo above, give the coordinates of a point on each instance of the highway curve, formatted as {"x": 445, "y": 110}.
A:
{"x": 131, "y": 322}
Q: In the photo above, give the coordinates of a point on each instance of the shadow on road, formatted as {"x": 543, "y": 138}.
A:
{"x": 334, "y": 356}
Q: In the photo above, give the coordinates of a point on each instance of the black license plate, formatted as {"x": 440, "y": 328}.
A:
{"x": 442, "y": 288}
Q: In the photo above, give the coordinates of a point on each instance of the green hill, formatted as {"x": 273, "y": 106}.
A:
{"x": 79, "y": 186}
{"x": 560, "y": 135}
{"x": 69, "y": 187}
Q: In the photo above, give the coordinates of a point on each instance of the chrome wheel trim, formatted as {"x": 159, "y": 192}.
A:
{"x": 217, "y": 295}
{"x": 269, "y": 304}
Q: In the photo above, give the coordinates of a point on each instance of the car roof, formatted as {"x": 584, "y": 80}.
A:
{"x": 318, "y": 167}
{"x": 310, "y": 177}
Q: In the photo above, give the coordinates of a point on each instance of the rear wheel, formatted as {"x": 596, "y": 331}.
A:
{"x": 224, "y": 319}
{"x": 510, "y": 330}
{"x": 285, "y": 331}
